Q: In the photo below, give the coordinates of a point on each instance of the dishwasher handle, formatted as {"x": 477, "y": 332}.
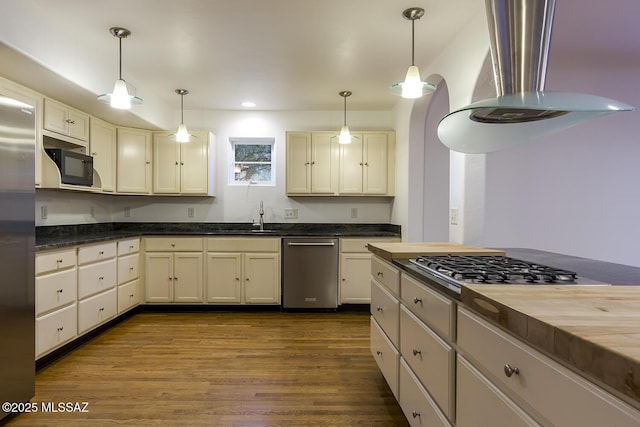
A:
{"x": 311, "y": 244}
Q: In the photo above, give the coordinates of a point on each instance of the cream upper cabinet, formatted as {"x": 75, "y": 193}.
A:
{"x": 366, "y": 165}
{"x": 66, "y": 121}
{"x": 311, "y": 163}
{"x": 103, "y": 149}
{"x": 182, "y": 168}
{"x": 134, "y": 161}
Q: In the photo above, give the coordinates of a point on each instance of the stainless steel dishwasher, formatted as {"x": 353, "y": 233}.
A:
{"x": 310, "y": 272}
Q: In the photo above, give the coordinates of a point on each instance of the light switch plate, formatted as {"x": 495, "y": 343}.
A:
{"x": 290, "y": 213}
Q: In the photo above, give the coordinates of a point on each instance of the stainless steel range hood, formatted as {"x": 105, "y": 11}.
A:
{"x": 519, "y": 35}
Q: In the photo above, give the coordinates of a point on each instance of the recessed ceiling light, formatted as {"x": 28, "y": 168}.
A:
{"x": 248, "y": 104}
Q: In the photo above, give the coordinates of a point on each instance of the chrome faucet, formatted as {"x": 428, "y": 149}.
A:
{"x": 261, "y": 213}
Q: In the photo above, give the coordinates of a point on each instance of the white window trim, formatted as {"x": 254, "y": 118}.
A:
{"x": 231, "y": 160}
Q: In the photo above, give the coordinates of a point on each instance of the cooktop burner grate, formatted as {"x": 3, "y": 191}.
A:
{"x": 493, "y": 269}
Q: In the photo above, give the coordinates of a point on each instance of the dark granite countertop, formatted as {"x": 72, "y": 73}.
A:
{"x": 52, "y": 237}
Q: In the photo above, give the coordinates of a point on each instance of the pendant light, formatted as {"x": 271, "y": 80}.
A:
{"x": 120, "y": 97}
{"x": 345, "y": 135}
{"x": 182, "y": 135}
{"x": 413, "y": 87}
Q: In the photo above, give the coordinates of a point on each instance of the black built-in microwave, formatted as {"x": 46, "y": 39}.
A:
{"x": 75, "y": 168}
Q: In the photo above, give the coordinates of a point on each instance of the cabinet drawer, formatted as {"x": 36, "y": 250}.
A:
{"x": 385, "y": 355}
{"x": 385, "y": 308}
{"x": 55, "y": 290}
{"x": 243, "y": 244}
{"x": 435, "y": 310}
{"x": 430, "y": 358}
{"x": 94, "y": 253}
{"x": 386, "y": 274}
{"x": 173, "y": 244}
{"x": 480, "y": 403}
{"x": 130, "y": 246}
{"x": 128, "y": 268}
{"x": 417, "y": 405}
{"x": 55, "y": 329}
{"x": 94, "y": 278}
{"x": 56, "y": 260}
{"x": 96, "y": 309}
{"x": 128, "y": 296}
{"x": 555, "y": 392}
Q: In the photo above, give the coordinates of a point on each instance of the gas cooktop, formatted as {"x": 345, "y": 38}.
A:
{"x": 456, "y": 270}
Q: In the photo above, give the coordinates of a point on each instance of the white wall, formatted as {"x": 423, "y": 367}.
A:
{"x": 233, "y": 203}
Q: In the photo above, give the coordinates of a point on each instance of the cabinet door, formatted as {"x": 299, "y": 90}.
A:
{"x": 322, "y": 165}
{"x": 298, "y": 163}
{"x": 103, "y": 150}
{"x": 166, "y": 164}
{"x": 134, "y": 161}
{"x": 351, "y": 166}
{"x": 194, "y": 165}
{"x": 188, "y": 277}
{"x": 159, "y": 277}
{"x": 78, "y": 125}
{"x": 262, "y": 278}
{"x": 375, "y": 163}
{"x": 56, "y": 118}
{"x": 355, "y": 283}
{"x": 224, "y": 271}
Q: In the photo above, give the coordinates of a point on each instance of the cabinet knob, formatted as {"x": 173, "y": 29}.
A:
{"x": 177, "y": 163}
{"x": 101, "y": 253}
{"x": 94, "y": 154}
{"x": 360, "y": 163}
{"x": 130, "y": 295}
{"x": 417, "y": 352}
{"x": 417, "y": 300}
{"x": 366, "y": 163}
{"x": 380, "y": 274}
{"x": 101, "y": 309}
{"x": 58, "y": 261}
{"x": 59, "y": 291}
{"x": 71, "y": 122}
{"x": 379, "y": 353}
{"x": 510, "y": 370}
{"x": 170, "y": 278}
{"x": 101, "y": 278}
{"x": 173, "y": 245}
{"x": 175, "y": 278}
{"x": 61, "y": 328}
{"x": 313, "y": 163}
{"x": 181, "y": 163}
{"x": 247, "y": 279}
{"x": 148, "y": 162}
{"x": 130, "y": 268}
{"x": 378, "y": 308}
{"x": 307, "y": 163}
{"x": 237, "y": 278}
{"x": 415, "y": 414}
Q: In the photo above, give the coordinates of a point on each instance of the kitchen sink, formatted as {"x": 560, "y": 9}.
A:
{"x": 262, "y": 231}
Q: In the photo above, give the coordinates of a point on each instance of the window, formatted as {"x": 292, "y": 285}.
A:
{"x": 252, "y": 161}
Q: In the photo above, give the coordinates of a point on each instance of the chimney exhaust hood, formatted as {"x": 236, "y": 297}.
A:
{"x": 520, "y": 36}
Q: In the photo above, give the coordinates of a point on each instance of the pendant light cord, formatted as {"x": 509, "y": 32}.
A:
{"x": 120, "y": 55}
{"x": 413, "y": 38}
{"x": 181, "y": 108}
{"x": 345, "y": 110}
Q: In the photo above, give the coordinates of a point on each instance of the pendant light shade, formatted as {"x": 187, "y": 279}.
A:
{"x": 413, "y": 87}
{"x": 345, "y": 135}
{"x": 182, "y": 135}
{"x": 120, "y": 97}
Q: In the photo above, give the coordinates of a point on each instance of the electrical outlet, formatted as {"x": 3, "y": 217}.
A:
{"x": 290, "y": 213}
{"x": 127, "y": 212}
{"x": 453, "y": 217}
{"x": 354, "y": 212}
{"x": 43, "y": 212}
{"x": 92, "y": 212}
{"x": 190, "y": 212}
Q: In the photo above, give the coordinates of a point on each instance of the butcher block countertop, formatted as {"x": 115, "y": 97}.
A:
{"x": 396, "y": 250}
{"x": 595, "y": 329}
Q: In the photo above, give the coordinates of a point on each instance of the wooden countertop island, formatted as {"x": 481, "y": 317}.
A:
{"x": 397, "y": 250}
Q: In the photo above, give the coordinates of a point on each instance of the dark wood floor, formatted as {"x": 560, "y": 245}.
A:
{"x": 222, "y": 369}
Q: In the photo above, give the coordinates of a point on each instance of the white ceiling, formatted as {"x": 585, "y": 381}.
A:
{"x": 281, "y": 54}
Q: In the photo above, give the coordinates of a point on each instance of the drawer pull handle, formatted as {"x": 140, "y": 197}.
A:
{"x": 101, "y": 309}
{"x": 173, "y": 245}
{"x": 380, "y": 274}
{"x": 131, "y": 247}
{"x": 379, "y": 353}
{"x": 61, "y": 328}
{"x": 100, "y": 278}
{"x": 510, "y": 370}
{"x": 417, "y": 300}
{"x": 378, "y": 308}
{"x": 59, "y": 291}
{"x": 101, "y": 253}
{"x": 131, "y": 268}
{"x": 131, "y": 296}
{"x": 58, "y": 261}
{"x": 417, "y": 352}
{"x": 415, "y": 414}
{"x": 175, "y": 278}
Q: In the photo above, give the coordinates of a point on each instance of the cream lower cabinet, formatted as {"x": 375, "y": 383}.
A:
{"x": 355, "y": 268}
{"x": 243, "y": 270}
{"x": 174, "y": 269}
{"x": 134, "y": 161}
{"x": 56, "y": 295}
{"x": 129, "y": 294}
{"x": 97, "y": 278}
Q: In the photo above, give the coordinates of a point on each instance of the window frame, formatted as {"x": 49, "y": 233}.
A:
{"x": 233, "y": 141}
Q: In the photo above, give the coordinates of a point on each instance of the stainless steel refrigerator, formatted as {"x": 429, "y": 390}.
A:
{"x": 17, "y": 251}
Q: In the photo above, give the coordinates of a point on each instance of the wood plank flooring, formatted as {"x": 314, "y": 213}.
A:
{"x": 221, "y": 369}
